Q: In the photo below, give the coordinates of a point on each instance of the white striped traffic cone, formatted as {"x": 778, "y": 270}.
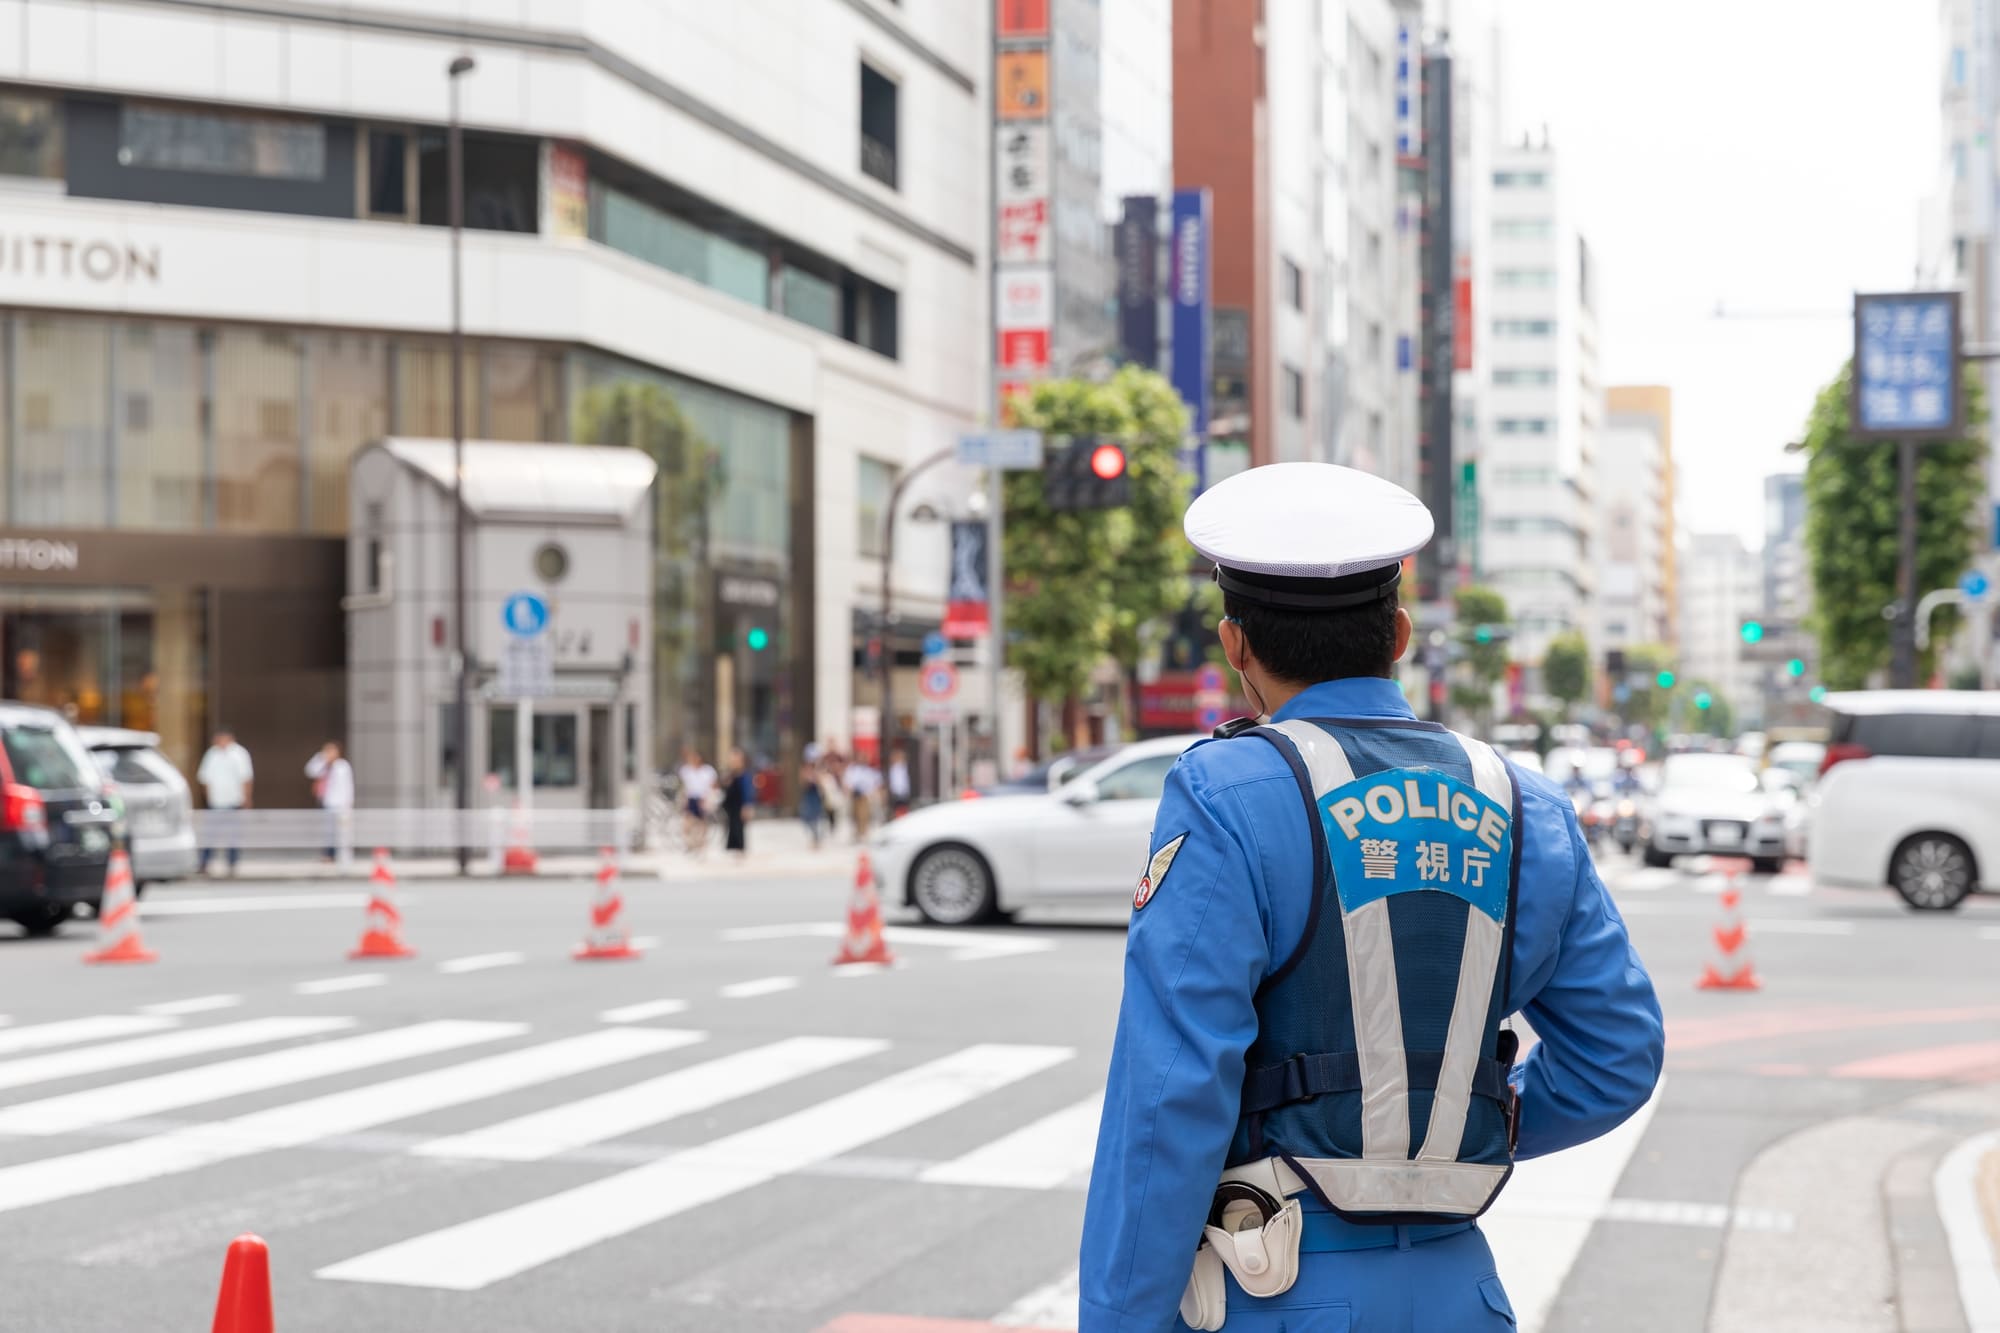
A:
{"x": 118, "y": 918}
{"x": 607, "y": 936}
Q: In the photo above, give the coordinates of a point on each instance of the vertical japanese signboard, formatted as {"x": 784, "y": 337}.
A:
{"x": 1188, "y": 265}
{"x": 968, "y": 600}
{"x": 1135, "y": 246}
{"x": 1906, "y": 366}
{"x": 1024, "y": 279}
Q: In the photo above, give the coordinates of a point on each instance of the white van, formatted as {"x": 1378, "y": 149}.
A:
{"x": 1909, "y": 795}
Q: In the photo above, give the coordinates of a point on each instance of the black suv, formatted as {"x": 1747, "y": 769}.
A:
{"x": 57, "y": 823}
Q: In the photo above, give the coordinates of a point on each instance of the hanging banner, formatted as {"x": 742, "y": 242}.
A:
{"x": 967, "y": 610}
{"x": 1189, "y": 262}
{"x": 1135, "y": 248}
{"x": 1021, "y": 82}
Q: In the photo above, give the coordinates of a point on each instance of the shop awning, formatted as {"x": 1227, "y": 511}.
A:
{"x": 575, "y": 483}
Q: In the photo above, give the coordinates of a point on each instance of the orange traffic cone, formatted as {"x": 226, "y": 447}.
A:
{"x": 864, "y": 942}
{"x": 1732, "y": 970}
{"x": 244, "y": 1304}
{"x": 382, "y": 936}
{"x": 118, "y": 918}
{"x": 607, "y": 936}
{"x": 520, "y": 858}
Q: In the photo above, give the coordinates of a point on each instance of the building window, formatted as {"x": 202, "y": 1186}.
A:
{"x": 1374, "y": 342}
{"x": 502, "y": 182}
{"x": 1374, "y": 250}
{"x": 1524, "y": 328}
{"x": 878, "y": 126}
{"x": 872, "y": 487}
{"x": 1295, "y": 284}
{"x": 678, "y": 245}
{"x": 868, "y": 315}
{"x": 169, "y": 139}
{"x": 1524, "y": 277}
{"x": 1524, "y": 425}
{"x": 1523, "y": 377}
{"x": 1295, "y": 393}
{"x": 1524, "y": 229}
{"x": 387, "y": 183}
{"x": 31, "y": 142}
{"x": 1521, "y": 180}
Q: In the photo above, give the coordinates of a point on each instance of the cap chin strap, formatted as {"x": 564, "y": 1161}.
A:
{"x": 1309, "y": 594}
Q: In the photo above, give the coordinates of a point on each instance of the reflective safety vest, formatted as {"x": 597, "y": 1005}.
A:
{"x": 1380, "y": 1071}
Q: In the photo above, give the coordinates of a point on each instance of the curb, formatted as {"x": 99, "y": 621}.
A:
{"x": 1975, "y": 1248}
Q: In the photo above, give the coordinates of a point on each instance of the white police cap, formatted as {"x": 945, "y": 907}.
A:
{"x": 1308, "y": 536}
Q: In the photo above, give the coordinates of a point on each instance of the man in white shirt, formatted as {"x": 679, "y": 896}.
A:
{"x": 863, "y": 781}
{"x": 333, "y": 783}
{"x": 225, "y": 775}
{"x": 698, "y": 781}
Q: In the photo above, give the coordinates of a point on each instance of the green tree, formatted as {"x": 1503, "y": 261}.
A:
{"x": 1718, "y": 719}
{"x": 1083, "y": 585}
{"x": 1485, "y": 663}
{"x": 1648, "y": 704}
{"x": 1566, "y": 669}
{"x": 1852, "y": 500}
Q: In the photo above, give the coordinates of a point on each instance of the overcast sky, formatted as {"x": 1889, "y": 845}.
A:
{"x": 1767, "y": 155}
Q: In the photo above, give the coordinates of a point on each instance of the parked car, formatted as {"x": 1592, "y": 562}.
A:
{"x": 1049, "y": 774}
{"x": 1802, "y": 758}
{"x": 964, "y": 861}
{"x": 57, "y": 824}
{"x": 1714, "y": 804}
{"x": 1909, "y": 795}
{"x": 158, "y": 808}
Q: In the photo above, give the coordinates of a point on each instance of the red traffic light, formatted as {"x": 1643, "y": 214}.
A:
{"x": 1108, "y": 461}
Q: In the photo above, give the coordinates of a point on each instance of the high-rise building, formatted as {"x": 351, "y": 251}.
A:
{"x": 224, "y": 272}
{"x": 1635, "y": 518}
{"x": 1288, "y": 114}
{"x": 1721, "y": 587}
{"x": 1542, "y": 407}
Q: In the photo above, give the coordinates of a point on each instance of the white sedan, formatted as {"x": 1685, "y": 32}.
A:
{"x": 1085, "y": 842}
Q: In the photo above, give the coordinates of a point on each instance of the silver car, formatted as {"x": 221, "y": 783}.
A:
{"x": 159, "y": 810}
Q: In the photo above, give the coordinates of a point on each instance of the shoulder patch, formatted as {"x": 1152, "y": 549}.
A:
{"x": 1156, "y": 872}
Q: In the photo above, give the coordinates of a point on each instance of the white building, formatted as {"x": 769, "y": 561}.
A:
{"x": 1634, "y": 520}
{"x": 1721, "y": 587}
{"x": 750, "y": 237}
{"x": 1541, "y": 405}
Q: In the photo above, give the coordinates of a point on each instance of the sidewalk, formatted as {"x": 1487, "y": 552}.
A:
{"x": 1968, "y": 1200}
{"x": 778, "y": 849}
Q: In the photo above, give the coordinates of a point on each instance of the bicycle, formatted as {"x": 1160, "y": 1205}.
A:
{"x": 664, "y": 821}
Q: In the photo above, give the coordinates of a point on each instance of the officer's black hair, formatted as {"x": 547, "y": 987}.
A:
{"x": 1306, "y": 647}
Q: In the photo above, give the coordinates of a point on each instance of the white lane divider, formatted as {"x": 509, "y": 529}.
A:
{"x": 481, "y": 962}
{"x": 645, "y": 1009}
{"x": 744, "y": 990}
{"x": 967, "y": 946}
{"x": 300, "y": 1123}
{"x": 561, "y": 1129}
{"x": 1989, "y": 932}
{"x": 1793, "y": 925}
{"x": 272, "y": 902}
{"x": 79, "y": 1111}
{"x": 70, "y": 1031}
{"x": 166, "y": 1046}
{"x": 199, "y": 1004}
{"x": 478, "y": 1253}
{"x": 331, "y": 985}
{"x": 1039, "y": 1156}
{"x": 1050, "y": 1307}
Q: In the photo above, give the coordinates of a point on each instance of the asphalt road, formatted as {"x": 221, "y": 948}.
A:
{"x": 730, "y": 1134}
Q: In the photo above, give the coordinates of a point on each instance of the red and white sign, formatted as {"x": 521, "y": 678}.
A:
{"x": 938, "y": 681}
{"x": 1023, "y": 18}
{"x": 1022, "y": 155}
{"x": 1027, "y": 298}
{"x": 1024, "y": 352}
{"x": 1024, "y": 233}
{"x": 1461, "y": 315}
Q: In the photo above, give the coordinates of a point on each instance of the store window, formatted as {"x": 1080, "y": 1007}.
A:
{"x": 678, "y": 245}
{"x": 259, "y": 439}
{"x": 223, "y": 143}
{"x": 162, "y": 477}
{"x": 31, "y": 138}
{"x": 878, "y": 125}
{"x": 553, "y": 755}
{"x": 422, "y": 378}
{"x": 61, "y": 459}
{"x": 502, "y": 182}
{"x": 521, "y": 395}
{"x": 348, "y": 378}
{"x": 872, "y": 487}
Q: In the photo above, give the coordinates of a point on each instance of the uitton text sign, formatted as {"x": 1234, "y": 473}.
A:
{"x": 34, "y": 553}
{"x": 93, "y": 259}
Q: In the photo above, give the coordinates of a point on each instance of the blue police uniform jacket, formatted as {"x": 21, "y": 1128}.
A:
{"x": 1231, "y": 904}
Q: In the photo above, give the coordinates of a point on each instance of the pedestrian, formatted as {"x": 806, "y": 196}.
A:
{"x": 899, "y": 782}
{"x": 333, "y": 787}
{"x": 739, "y": 793}
{"x": 697, "y": 791}
{"x": 863, "y": 781}
{"x": 1313, "y": 1090}
{"x": 833, "y": 788}
{"x": 226, "y": 776}
{"x": 812, "y": 802}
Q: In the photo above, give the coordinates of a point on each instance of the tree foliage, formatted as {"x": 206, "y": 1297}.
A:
{"x": 1566, "y": 668}
{"x": 1477, "y": 606}
{"x": 1082, "y": 586}
{"x": 1852, "y": 502}
{"x": 1718, "y": 719}
{"x": 1648, "y": 704}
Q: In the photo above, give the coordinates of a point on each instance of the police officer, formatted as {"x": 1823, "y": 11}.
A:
{"x": 1313, "y": 1093}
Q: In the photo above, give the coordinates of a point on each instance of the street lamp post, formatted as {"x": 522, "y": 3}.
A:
{"x": 886, "y": 656}
{"x": 462, "y": 711}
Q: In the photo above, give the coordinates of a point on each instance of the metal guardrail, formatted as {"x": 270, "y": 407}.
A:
{"x": 407, "y": 831}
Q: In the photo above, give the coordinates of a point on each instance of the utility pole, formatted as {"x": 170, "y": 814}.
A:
{"x": 1903, "y": 659}
{"x": 462, "y": 695}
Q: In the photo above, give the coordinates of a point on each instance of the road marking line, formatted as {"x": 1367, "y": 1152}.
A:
{"x": 744, "y": 990}
{"x": 645, "y": 943}
{"x": 645, "y": 1009}
{"x": 1931, "y": 1062}
{"x": 1791, "y": 886}
{"x": 233, "y": 1078}
{"x": 968, "y": 946}
{"x": 480, "y": 962}
{"x": 485, "y": 1250}
{"x": 72, "y": 1030}
{"x": 1037, "y": 1156}
{"x": 329, "y": 985}
{"x": 1989, "y": 932}
{"x": 1649, "y": 879}
{"x": 1658, "y": 1212}
{"x": 545, "y": 1134}
{"x": 1955, "y": 1186}
{"x": 1792, "y": 925}
{"x": 1050, "y": 1307}
{"x": 1695, "y": 1034}
{"x": 276, "y": 902}
{"x": 300, "y": 1123}
{"x": 200, "y": 1004}
{"x": 167, "y": 1046}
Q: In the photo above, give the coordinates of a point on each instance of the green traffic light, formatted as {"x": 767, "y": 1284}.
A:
{"x": 1665, "y": 680}
{"x": 1818, "y": 694}
{"x": 1704, "y": 700}
{"x": 1797, "y": 666}
{"x": 758, "y": 638}
{"x": 1753, "y": 631}
{"x": 1484, "y": 634}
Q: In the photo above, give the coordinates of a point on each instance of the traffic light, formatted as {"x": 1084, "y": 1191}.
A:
{"x": 1665, "y": 680}
{"x": 1482, "y": 634}
{"x": 1704, "y": 701}
{"x": 1485, "y": 634}
{"x": 1818, "y": 694}
{"x": 758, "y": 638}
{"x": 1753, "y": 631}
{"x": 1796, "y": 667}
{"x": 1614, "y": 664}
{"x": 1086, "y": 474}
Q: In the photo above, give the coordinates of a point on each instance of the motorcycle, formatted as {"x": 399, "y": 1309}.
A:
{"x": 1625, "y": 825}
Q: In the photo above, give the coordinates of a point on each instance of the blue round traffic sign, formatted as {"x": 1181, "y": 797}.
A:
{"x": 524, "y": 614}
{"x": 1209, "y": 677}
{"x": 1974, "y": 584}
{"x": 935, "y": 644}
